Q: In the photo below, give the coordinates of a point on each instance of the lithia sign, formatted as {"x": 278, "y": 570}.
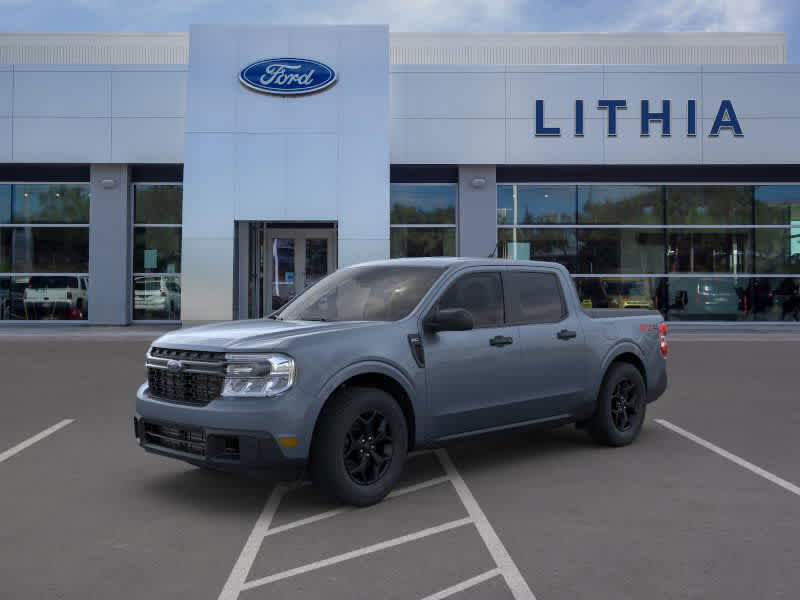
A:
{"x": 725, "y": 120}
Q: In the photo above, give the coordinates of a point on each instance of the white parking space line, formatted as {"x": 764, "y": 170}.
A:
{"x": 516, "y": 583}
{"x": 417, "y": 535}
{"x": 505, "y": 566}
{"x": 787, "y": 485}
{"x": 33, "y": 439}
{"x": 248, "y": 554}
{"x": 464, "y": 585}
{"x": 346, "y": 509}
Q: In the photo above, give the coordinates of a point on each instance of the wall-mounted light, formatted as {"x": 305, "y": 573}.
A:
{"x": 478, "y": 182}
{"x": 109, "y": 183}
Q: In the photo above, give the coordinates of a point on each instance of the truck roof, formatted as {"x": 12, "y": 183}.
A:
{"x": 450, "y": 261}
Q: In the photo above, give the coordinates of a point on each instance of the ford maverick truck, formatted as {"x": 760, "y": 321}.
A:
{"x": 385, "y": 357}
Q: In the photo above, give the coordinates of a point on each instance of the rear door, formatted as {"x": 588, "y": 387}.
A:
{"x": 470, "y": 374}
{"x": 551, "y": 343}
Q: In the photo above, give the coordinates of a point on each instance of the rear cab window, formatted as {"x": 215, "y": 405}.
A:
{"x": 481, "y": 294}
{"x": 533, "y": 297}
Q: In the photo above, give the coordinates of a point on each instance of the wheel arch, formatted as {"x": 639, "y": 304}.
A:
{"x": 623, "y": 351}
{"x": 380, "y": 376}
{"x": 628, "y": 353}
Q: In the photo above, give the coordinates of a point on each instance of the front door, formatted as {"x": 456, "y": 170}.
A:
{"x": 295, "y": 259}
{"x": 472, "y": 374}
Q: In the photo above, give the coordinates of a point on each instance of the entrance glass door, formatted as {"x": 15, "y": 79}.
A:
{"x": 296, "y": 259}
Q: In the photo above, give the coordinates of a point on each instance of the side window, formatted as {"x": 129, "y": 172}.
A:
{"x": 480, "y": 294}
{"x": 533, "y": 297}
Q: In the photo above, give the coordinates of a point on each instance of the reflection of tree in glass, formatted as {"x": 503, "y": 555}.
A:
{"x": 51, "y": 204}
{"x": 620, "y": 205}
{"x": 414, "y": 215}
{"x": 166, "y": 241}
{"x": 158, "y": 204}
{"x": 423, "y": 242}
{"x": 709, "y": 205}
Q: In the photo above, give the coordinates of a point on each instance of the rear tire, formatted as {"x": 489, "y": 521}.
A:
{"x": 360, "y": 446}
{"x": 621, "y": 406}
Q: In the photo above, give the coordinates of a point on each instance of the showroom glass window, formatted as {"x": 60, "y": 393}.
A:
{"x": 423, "y": 219}
{"x": 694, "y": 252}
{"x": 156, "y": 285}
{"x": 44, "y": 251}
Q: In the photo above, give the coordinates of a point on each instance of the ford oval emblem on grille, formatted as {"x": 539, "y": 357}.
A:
{"x": 287, "y": 76}
{"x": 174, "y": 365}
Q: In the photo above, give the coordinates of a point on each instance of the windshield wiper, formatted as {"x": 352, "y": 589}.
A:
{"x": 321, "y": 319}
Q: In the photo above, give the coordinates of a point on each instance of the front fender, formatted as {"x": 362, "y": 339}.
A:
{"x": 364, "y": 368}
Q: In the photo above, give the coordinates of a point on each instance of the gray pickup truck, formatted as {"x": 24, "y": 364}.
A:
{"x": 385, "y": 357}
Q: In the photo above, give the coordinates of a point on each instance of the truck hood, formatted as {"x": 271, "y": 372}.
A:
{"x": 254, "y": 334}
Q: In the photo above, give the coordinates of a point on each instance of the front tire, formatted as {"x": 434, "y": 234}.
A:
{"x": 360, "y": 446}
{"x": 621, "y": 406}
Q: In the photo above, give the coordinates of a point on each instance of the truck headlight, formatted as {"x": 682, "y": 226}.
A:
{"x": 257, "y": 374}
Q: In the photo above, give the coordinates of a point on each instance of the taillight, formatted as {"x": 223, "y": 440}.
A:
{"x": 163, "y": 292}
{"x": 69, "y": 295}
{"x": 662, "y": 339}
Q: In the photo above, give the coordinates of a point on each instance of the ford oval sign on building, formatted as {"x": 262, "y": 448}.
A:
{"x": 287, "y": 76}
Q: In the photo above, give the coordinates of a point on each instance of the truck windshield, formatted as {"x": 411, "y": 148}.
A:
{"x": 368, "y": 293}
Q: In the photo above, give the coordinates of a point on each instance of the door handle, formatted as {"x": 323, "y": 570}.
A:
{"x": 501, "y": 340}
{"x": 566, "y": 334}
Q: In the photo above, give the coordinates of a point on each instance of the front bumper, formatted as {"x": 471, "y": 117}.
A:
{"x": 237, "y": 435}
{"x": 251, "y": 453}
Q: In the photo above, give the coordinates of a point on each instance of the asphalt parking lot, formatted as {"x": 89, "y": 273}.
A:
{"x": 704, "y": 505}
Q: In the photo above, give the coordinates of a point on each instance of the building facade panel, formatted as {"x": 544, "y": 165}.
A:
{"x": 766, "y": 140}
{"x": 453, "y": 141}
{"x": 757, "y": 92}
{"x": 5, "y": 139}
{"x": 61, "y": 93}
{"x": 148, "y": 93}
{"x": 147, "y": 139}
{"x": 522, "y": 147}
{"x": 454, "y": 95}
{"x": 630, "y": 148}
{"x": 557, "y": 89}
{"x": 6, "y": 91}
{"x": 253, "y": 197}
{"x": 61, "y": 139}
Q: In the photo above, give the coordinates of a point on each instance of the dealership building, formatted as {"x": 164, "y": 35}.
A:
{"x": 214, "y": 174}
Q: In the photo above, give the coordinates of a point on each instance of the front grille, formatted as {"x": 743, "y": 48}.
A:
{"x": 175, "y": 438}
{"x": 187, "y": 388}
{"x": 198, "y": 381}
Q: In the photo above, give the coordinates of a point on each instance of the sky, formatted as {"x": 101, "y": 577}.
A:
{"x": 414, "y": 15}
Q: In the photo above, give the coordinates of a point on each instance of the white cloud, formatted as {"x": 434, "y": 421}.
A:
{"x": 705, "y": 15}
{"x": 422, "y": 15}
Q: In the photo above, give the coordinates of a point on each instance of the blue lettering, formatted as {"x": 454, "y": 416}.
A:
{"x": 726, "y": 119}
{"x": 663, "y": 116}
{"x": 578, "y": 118}
{"x": 612, "y": 106}
{"x": 541, "y": 130}
{"x": 691, "y": 118}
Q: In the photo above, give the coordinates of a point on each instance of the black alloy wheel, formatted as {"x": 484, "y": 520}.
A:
{"x": 624, "y": 404}
{"x": 621, "y": 406}
{"x": 368, "y": 448}
{"x": 360, "y": 445}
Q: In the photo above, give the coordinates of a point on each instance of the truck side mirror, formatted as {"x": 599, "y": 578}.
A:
{"x": 450, "y": 319}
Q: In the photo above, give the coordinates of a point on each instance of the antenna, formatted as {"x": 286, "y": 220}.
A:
{"x": 493, "y": 253}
